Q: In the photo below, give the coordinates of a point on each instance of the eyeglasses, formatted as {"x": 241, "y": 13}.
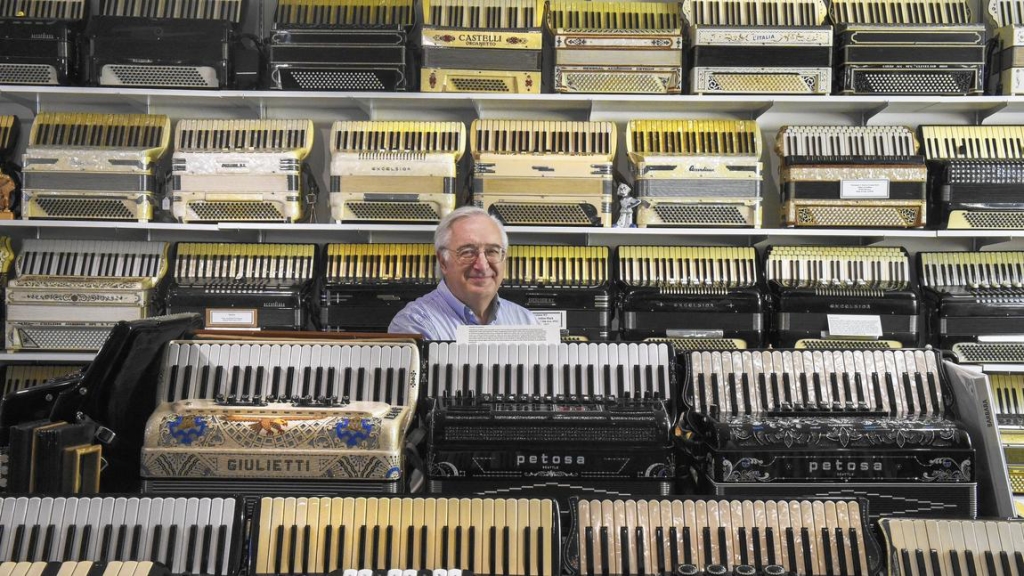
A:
{"x": 469, "y": 254}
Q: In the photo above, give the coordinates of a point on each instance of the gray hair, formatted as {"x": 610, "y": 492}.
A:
{"x": 443, "y": 233}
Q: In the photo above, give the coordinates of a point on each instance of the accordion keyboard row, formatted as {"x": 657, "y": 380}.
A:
{"x": 524, "y": 46}
{"x": 697, "y": 172}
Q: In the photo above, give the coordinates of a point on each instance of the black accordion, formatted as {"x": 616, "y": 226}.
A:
{"x": 39, "y": 41}
{"x": 357, "y": 45}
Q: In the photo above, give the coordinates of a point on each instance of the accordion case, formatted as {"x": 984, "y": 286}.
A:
{"x": 759, "y": 47}
{"x": 875, "y": 424}
{"x": 852, "y": 176}
{"x": 69, "y": 294}
{"x": 616, "y": 47}
{"x": 81, "y": 166}
{"x": 476, "y": 46}
{"x": 851, "y": 292}
{"x": 972, "y": 296}
{"x": 564, "y": 286}
{"x": 394, "y": 171}
{"x": 696, "y": 172}
{"x": 544, "y": 173}
{"x": 365, "y": 285}
{"x": 358, "y": 46}
{"x": 243, "y": 286}
{"x": 281, "y": 417}
{"x": 975, "y": 176}
{"x": 690, "y": 292}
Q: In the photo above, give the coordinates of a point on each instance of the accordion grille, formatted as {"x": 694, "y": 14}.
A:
{"x": 973, "y": 142}
{"x": 989, "y": 352}
{"x": 700, "y": 215}
{"x": 111, "y": 131}
{"x": 195, "y": 135}
{"x": 685, "y": 344}
{"x": 995, "y": 220}
{"x": 489, "y": 14}
{"x": 43, "y": 9}
{"x": 345, "y": 13}
{"x": 385, "y": 136}
{"x": 230, "y": 10}
{"x": 836, "y": 344}
{"x": 846, "y": 141}
{"x": 27, "y": 74}
{"x": 543, "y": 137}
{"x": 865, "y": 217}
{"x": 542, "y": 214}
{"x": 603, "y": 82}
{"x": 614, "y": 15}
{"x": 227, "y": 210}
{"x": 694, "y": 137}
{"x": 902, "y": 12}
{"x": 395, "y": 211}
{"x": 1006, "y": 12}
{"x": 754, "y": 12}
{"x": 972, "y": 269}
{"x": 83, "y": 208}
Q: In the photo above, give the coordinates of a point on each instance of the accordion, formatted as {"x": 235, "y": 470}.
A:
{"x": 972, "y": 296}
{"x": 357, "y": 45}
{"x": 809, "y": 537}
{"x": 281, "y": 416}
{"x": 400, "y": 171}
{"x": 851, "y": 176}
{"x": 544, "y": 173}
{"x": 609, "y": 47}
{"x": 405, "y": 535}
{"x": 975, "y": 176}
{"x": 39, "y": 41}
{"x": 241, "y": 170}
{"x": 81, "y": 166}
{"x": 845, "y": 292}
{"x": 482, "y": 46}
{"x": 759, "y": 47}
{"x": 1006, "y": 63}
{"x": 564, "y": 286}
{"x": 194, "y": 535}
{"x": 929, "y": 47}
{"x": 915, "y": 546}
{"x": 550, "y": 418}
{"x": 68, "y": 294}
{"x": 365, "y": 285}
{"x": 689, "y": 292}
{"x": 10, "y": 180}
{"x": 696, "y": 172}
{"x": 874, "y": 424}
{"x": 243, "y": 286}
{"x": 167, "y": 44}
{"x": 24, "y": 376}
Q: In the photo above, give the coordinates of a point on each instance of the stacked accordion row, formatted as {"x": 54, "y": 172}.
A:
{"x": 685, "y": 173}
{"x": 522, "y": 46}
{"x": 66, "y": 295}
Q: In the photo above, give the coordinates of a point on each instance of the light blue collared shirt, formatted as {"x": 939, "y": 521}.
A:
{"x": 437, "y": 315}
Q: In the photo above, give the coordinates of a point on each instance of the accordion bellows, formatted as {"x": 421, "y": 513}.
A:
{"x": 914, "y": 47}
{"x": 758, "y": 47}
{"x": 84, "y": 166}
{"x": 616, "y": 47}
{"x": 696, "y": 172}
{"x": 851, "y": 176}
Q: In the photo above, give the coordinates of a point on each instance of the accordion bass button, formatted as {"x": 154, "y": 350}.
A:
{"x": 687, "y": 570}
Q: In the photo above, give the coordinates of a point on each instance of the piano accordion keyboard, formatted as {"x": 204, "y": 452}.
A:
{"x": 939, "y": 12}
{"x": 380, "y": 263}
{"x": 973, "y": 142}
{"x": 483, "y": 14}
{"x": 115, "y": 568}
{"x": 24, "y": 376}
{"x": 239, "y": 372}
{"x": 349, "y": 13}
{"x": 997, "y": 272}
{"x": 694, "y": 138}
{"x": 399, "y": 136}
{"x": 754, "y": 12}
{"x": 513, "y": 537}
{"x": 901, "y": 383}
{"x": 688, "y": 268}
{"x": 1006, "y": 12}
{"x": 923, "y": 547}
{"x": 110, "y": 131}
{"x": 620, "y": 537}
{"x": 198, "y": 264}
{"x": 543, "y": 138}
{"x": 837, "y": 141}
{"x": 269, "y": 135}
{"x": 91, "y": 259}
{"x": 230, "y": 10}
{"x": 621, "y": 370}
{"x": 43, "y": 9}
{"x": 616, "y": 16}
{"x": 188, "y": 535}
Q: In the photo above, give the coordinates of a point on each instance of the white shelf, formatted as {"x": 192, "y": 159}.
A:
{"x": 10, "y": 357}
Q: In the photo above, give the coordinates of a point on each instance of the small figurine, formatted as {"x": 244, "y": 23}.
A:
{"x": 7, "y": 187}
{"x": 626, "y": 205}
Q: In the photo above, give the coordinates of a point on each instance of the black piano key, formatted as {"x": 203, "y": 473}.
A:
{"x": 67, "y": 554}
{"x": 933, "y": 389}
{"x": 247, "y": 383}
{"x": 119, "y": 548}
{"x": 275, "y": 382}
{"x": 375, "y": 548}
{"x": 527, "y": 548}
{"x": 834, "y": 383}
{"x": 579, "y": 379}
{"x": 972, "y": 570}
{"x": 662, "y": 384}
{"x": 990, "y": 563}
{"x": 507, "y": 370}
{"x": 458, "y": 547}
{"x": 826, "y": 551}
{"x": 954, "y": 559}
{"x": 471, "y": 548}
{"x": 937, "y": 567}
{"x": 436, "y": 375}
{"x": 624, "y": 546}
{"x": 423, "y": 547}
{"x": 410, "y": 537}
{"x": 85, "y": 543}
{"x": 340, "y": 556}
{"x": 716, "y": 402}
{"x": 905, "y": 562}
{"x": 787, "y": 392}
{"x": 858, "y": 385}
{"x": 702, "y": 396}
{"x": 659, "y": 551}
{"x": 105, "y": 542}
{"x": 588, "y": 545}
{"x": 233, "y": 388}
{"x": 745, "y": 387}
{"x": 620, "y": 375}
{"x": 791, "y": 550}
{"x": 909, "y": 393}
{"x": 361, "y": 546}
{"x": 318, "y": 391}
{"x": 360, "y": 385}
{"x": 492, "y": 547}
{"x": 876, "y": 385}
{"x": 261, "y": 376}
{"x": 605, "y": 550}
{"x": 1018, "y": 559}
{"x": 762, "y": 389}
{"x": 769, "y": 539}
{"x": 190, "y": 548}
{"x": 639, "y": 389}
{"x": 378, "y": 381}
{"x": 607, "y": 389}
{"x": 921, "y": 394}
{"x": 890, "y": 387}
{"x": 536, "y": 378}
{"x": 816, "y": 382}
{"x": 520, "y": 380}
{"x": 841, "y": 551}
{"x": 389, "y": 386}
{"x": 641, "y": 568}
{"x": 566, "y": 380}
{"x": 464, "y": 389}
{"x": 742, "y": 534}
{"x": 172, "y": 546}
{"x": 505, "y": 539}
{"x": 706, "y": 537}
{"x": 33, "y": 543}
{"x": 847, "y": 389}
{"x": 805, "y": 535}
{"x": 551, "y": 380}
{"x": 154, "y": 553}
{"x": 207, "y": 546}
{"x": 444, "y": 547}
{"x": 755, "y": 536}
{"x": 687, "y": 547}
{"x": 723, "y": 543}
{"x": 223, "y": 547}
{"x": 776, "y": 392}
{"x": 805, "y": 390}
{"x": 173, "y": 377}
{"x": 733, "y": 398}
{"x": 48, "y": 541}
{"x": 218, "y": 381}
{"x": 673, "y": 546}
{"x": 650, "y": 386}
{"x": 278, "y": 549}
{"x": 478, "y": 384}
{"x": 347, "y": 381}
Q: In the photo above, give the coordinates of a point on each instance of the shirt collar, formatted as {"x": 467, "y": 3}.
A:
{"x": 465, "y": 313}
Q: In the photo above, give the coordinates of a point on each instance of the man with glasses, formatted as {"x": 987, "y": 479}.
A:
{"x": 471, "y": 248}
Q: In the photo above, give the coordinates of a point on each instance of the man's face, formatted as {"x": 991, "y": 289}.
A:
{"x": 478, "y": 280}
